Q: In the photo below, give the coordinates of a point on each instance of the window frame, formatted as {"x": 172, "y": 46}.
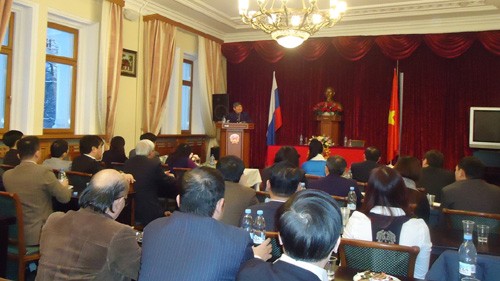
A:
{"x": 8, "y": 51}
{"x": 190, "y": 84}
{"x": 73, "y": 62}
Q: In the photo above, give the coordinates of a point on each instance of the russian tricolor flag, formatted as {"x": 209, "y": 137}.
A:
{"x": 275, "y": 120}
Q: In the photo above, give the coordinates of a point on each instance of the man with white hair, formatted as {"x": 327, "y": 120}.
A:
{"x": 150, "y": 180}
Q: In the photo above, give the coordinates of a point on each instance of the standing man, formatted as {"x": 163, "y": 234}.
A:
{"x": 361, "y": 171}
{"x": 470, "y": 192}
{"x": 89, "y": 244}
{"x": 192, "y": 244}
{"x": 433, "y": 177}
{"x": 36, "y": 185}
{"x": 238, "y": 116}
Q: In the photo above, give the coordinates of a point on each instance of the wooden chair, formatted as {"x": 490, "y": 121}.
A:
{"x": 10, "y": 205}
{"x": 6, "y": 167}
{"x": 454, "y": 219}
{"x": 381, "y": 257}
{"x": 277, "y": 250}
{"x": 310, "y": 177}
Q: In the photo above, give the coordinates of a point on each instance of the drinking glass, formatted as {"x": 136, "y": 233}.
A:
{"x": 482, "y": 233}
{"x": 331, "y": 267}
{"x": 468, "y": 227}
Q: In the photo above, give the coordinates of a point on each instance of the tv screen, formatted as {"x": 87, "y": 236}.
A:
{"x": 484, "y": 127}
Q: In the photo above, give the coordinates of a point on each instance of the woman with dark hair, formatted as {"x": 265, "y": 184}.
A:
{"x": 409, "y": 168}
{"x": 384, "y": 218}
{"x": 116, "y": 152}
{"x": 180, "y": 158}
{"x": 315, "y": 164}
{"x": 286, "y": 154}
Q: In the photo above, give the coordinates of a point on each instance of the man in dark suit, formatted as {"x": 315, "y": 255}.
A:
{"x": 192, "y": 244}
{"x": 238, "y": 116}
{"x": 306, "y": 252}
{"x": 150, "y": 181}
{"x": 10, "y": 139}
{"x": 361, "y": 171}
{"x": 433, "y": 177}
{"x": 91, "y": 150}
{"x": 334, "y": 183}
{"x": 236, "y": 196}
{"x": 283, "y": 183}
{"x": 470, "y": 192}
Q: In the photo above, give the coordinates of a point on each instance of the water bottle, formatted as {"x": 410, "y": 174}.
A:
{"x": 467, "y": 254}
{"x": 62, "y": 175}
{"x": 247, "y": 222}
{"x": 301, "y": 139}
{"x": 351, "y": 199}
{"x": 347, "y": 174}
{"x": 224, "y": 119}
{"x": 212, "y": 160}
{"x": 345, "y": 141}
{"x": 259, "y": 228}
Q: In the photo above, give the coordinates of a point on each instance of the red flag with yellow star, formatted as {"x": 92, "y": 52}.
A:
{"x": 393, "y": 130}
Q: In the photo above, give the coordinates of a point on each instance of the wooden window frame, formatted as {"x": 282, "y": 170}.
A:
{"x": 190, "y": 84}
{"x": 7, "y": 50}
{"x": 67, "y": 61}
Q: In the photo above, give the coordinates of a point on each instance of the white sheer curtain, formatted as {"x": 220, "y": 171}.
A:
{"x": 110, "y": 64}
{"x": 170, "y": 124}
{"x": 212, "y": 79}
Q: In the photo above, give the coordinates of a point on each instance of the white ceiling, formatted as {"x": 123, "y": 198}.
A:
{"x": 220, "y": 18}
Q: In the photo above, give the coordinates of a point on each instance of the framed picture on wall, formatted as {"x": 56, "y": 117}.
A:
{"x": 129, "y": 63}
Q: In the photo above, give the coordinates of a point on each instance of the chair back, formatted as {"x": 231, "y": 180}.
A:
{"x": 310, "y": 177}
{"x": 380, "y": 257}
{"x": 277, "y": 250}
{"x": 6, "y": 167}
{"x": 454, "y": 219}
{"x": 78, "y": 180}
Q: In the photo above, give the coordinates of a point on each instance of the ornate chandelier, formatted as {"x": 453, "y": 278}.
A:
{"x": 291, "y": 26}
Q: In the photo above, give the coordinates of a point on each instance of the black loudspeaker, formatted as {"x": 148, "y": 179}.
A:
{"x": 219, "y": 106}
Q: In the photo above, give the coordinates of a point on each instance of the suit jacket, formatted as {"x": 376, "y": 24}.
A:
{"x": 233, "y": 117}
{"x": 186, "y": 246}
{"x": 113, "y": 156}
{"x": 265, "y": 174}
{"x": 472, "y": 195}
{"x": 361, "y": 171}
{"x": 434, "y": 179}
{"x": 269, "y": 208}
{"x": 85, "y": 164}
{"x": 150, "y": 180}
{"x": 12, "y": 157}
{"x": 256, "y": 269}
{"x": 85, "y": 245}
{"x": 236, "y": 199}
{"x": 336, "y": 185}
{"x": 35, "y": 192}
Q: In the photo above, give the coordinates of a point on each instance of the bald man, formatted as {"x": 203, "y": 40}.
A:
{"x": 89, "y": 243}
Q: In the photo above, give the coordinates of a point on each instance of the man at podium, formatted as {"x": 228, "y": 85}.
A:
{"x": 238, "y": 116}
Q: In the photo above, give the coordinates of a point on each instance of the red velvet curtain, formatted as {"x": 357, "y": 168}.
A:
{"x": 442, "y": 78}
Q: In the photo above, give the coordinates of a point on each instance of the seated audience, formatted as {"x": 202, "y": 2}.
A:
{"x": 470, "y": 192}
{"x": 384, "y": 218}
{"x": 334, "y": 183}
{"x": 181, "y": 158}
{"x": 283, "y": 183}
{"x": 89, "y": 244}
{"x": 433, "y": 176}
{"x": 116, "y": 152}
{"x": 36, "y": 185}
{"x": 91, "y": 149}
{"x": 361, "y": 171}
{"x": 145, "y": 136}
{"x": 309, "y": 226}
{"x": 192, "y": 244}
{"x": 286, "y": 154}
{"x": 150, "y": 182}
{"x": 236, "y": 196}
{"x": 10, "y": 139}
{"x": 315, "y": 164}
{"x": 409, "y": 168}
{"x": 58, "y": 155}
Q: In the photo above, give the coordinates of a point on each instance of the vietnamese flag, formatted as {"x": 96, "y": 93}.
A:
{"x": 393, "y": 122}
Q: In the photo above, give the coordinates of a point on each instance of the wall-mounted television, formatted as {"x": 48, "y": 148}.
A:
{"x": 484, "y": 127}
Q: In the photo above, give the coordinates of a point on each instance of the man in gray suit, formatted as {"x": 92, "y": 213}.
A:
{"x": 236, "y": 197}
{"x": 36, "y": 185}
{"x": 470, "y": 192}
{"x": 192, "y": 244}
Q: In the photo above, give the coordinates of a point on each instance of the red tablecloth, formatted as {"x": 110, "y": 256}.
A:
{"x": 350, "y": 154}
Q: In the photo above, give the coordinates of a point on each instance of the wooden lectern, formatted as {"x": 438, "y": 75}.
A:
{"x": 329, "y": 125}
{"x": 235, "y": 140}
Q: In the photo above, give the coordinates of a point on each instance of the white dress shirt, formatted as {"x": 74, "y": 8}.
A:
{"x": 318, "y": 271}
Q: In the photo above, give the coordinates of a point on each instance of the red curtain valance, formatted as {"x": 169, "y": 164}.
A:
{"x": 353, "y": 48}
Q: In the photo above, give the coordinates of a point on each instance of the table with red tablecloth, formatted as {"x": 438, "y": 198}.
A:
{"x": 350, "y": 154}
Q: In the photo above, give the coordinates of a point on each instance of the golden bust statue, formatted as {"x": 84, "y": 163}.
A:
{"x": 329, "y": 106}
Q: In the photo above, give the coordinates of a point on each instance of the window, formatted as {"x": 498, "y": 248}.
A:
{"x": 187, "y": 90}
{"x": 60, "y": 79}
{"x": 5, "y": 75}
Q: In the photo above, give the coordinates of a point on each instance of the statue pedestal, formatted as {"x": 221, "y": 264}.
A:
{"x": 329, "y": 125}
